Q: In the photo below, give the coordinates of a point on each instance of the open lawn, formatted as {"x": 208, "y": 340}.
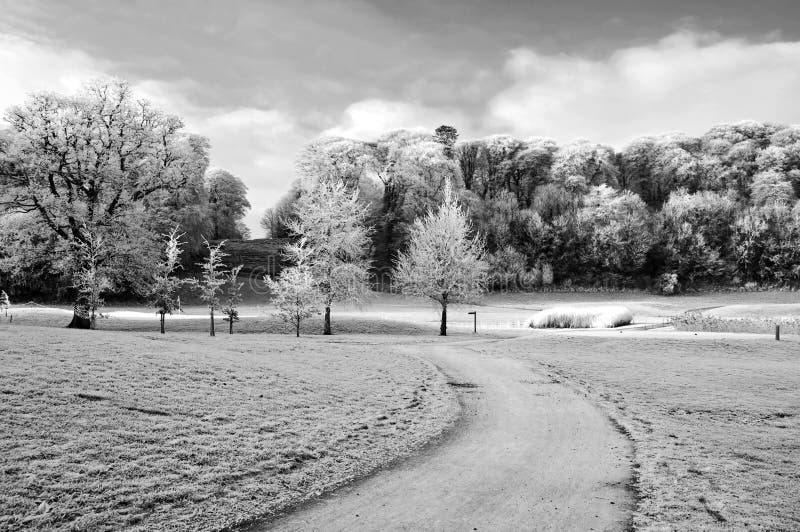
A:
{"x": 123, "y": 427}
{"x": 715, "y": 422}
{"x": 112, "y": 430}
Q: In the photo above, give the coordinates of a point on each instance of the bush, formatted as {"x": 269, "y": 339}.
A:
{"x": 566, "y": 317}
{"x": 697, "y": 321}
{"x": 668, "y": 284}
{"x": 547, "y": 274}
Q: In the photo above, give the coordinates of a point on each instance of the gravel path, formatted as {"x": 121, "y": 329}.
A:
{"x": 527, "y": 454}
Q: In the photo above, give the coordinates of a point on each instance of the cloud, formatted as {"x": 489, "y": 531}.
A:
{"x": 29, "y": 67}
{"x": 687, "y": 82}
{"x": 368, "y": 119}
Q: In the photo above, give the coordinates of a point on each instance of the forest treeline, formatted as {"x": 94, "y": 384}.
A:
{"x": 668, "y": 212}
{"x": 90, "y": 183}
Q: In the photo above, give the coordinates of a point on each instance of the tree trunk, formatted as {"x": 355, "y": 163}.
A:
{"x": 327, "y": 321}
{"x": 443, "y": 327}
{"x": 212, "y": 323}
{"x": 80, "y": 316}
{"x": 162, "y": 323}
{"x": 79, "y": 321}
{"x": 297, "y": 328}
{"x": 230, "y": 325}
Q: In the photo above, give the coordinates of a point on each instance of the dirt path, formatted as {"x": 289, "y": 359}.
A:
{"x": 528, "y": 454}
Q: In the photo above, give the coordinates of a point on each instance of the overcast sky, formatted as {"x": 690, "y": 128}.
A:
{"x": 262, "y": 78}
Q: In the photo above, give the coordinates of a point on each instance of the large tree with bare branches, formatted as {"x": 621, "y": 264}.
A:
{"x": 85, "y": 165}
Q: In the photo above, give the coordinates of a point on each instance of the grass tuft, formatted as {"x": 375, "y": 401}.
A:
{"x": 568, "y": 317}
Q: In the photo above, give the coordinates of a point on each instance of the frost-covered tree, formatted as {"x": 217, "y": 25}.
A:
{"x": 232, "y": 289}
{"x": 334, "y": 159}
{"x": 295, "y": 292}
{"x": 164, "y": 291}
{"x": 85, "y": 165}
{"x": 212, "y": 279}
{"x": 335, "y": 242}
{"x": 767, "y": 244}
{"x": 653, "y": 167}
{"x": 616, "y": 231}
{"x": 771, "y": 187}
{"x": 694, "y": 234}
{"x": 412, "y": 169}
{"x": 444, "y": 261}
{"x": 89, "y": 280}
{"x": 594, "y": 162}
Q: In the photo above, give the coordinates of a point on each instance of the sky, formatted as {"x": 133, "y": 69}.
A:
{"x": 261, "y": 79}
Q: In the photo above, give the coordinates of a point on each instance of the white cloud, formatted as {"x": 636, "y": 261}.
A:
{"x": 30, "y": 67}
{"x": 368, "y": 119}
{"x": 687, "y": 82}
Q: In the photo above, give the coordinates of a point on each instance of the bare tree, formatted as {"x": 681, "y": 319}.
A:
{"x": 444, "y": 260}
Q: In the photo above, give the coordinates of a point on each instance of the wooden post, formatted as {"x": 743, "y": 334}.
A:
{"x": 474, "y": 321}
{"x": 777, "y": 333}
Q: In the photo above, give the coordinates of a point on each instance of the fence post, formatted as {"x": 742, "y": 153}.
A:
{"x": 777, "y": 333}
{"x": 474, "y": 321}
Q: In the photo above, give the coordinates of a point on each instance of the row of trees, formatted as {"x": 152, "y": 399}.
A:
{"x": 89, "y": 181}
{"x": 672, "y": 210}
{"x": 443, "y": 262}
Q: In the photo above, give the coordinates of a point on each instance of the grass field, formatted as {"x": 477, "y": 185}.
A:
{"x": 182, "y": 431}
{"x": 128, "y": 428}
{"x": 715, "y": 423}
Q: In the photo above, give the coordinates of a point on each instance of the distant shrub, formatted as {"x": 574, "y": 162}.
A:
{"x": 697, "y": 321}
{"x": 547, "y": 274}
{"x": 668, "y": 284}
{"x": 530, "y": 280}
{"x": 566, "y": 317}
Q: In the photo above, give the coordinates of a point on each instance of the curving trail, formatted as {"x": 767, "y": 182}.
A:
{"x": 528, "y": 454}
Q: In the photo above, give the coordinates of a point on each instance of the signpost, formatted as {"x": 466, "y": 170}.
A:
{"x": 474, "y": 321}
